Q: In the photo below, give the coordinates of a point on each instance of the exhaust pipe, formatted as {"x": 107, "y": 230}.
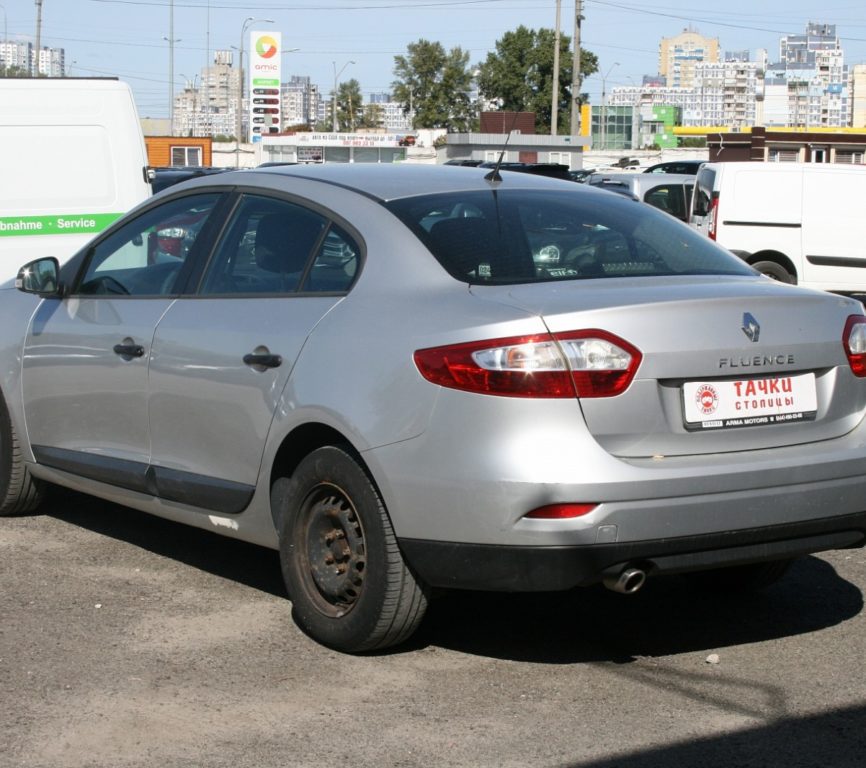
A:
{"x": 628, "y": 581}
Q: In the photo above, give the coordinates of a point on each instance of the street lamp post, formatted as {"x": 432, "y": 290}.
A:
{"x": 5, "y": 43}
{"x": 171, "y": 41}
{"x": 604, "y": 105}
{"x": 336, "y": 77}
{"x": 239, "y": 118}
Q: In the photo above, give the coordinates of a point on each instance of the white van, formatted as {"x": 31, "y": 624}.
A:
{"x": 800, "y": 223}
{"x": 72, "y": 160}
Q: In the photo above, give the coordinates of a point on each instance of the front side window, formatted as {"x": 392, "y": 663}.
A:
{"x": 523, "y": 236}
{"x": 276, "y": 247}
{"x": 144, "y": 257}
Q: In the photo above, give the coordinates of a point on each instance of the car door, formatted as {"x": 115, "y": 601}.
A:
{"x": 86, "y": 355}
{"x": 222, "y": 357}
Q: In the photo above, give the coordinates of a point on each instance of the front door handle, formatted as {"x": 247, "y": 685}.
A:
{"x": 129, "y": 350}
{"x": 263, "y": 360}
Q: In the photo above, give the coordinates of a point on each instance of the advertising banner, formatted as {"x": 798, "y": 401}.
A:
{"x": 264, "y": 83}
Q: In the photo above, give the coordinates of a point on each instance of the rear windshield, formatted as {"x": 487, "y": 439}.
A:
{"x": 526, "y": 236}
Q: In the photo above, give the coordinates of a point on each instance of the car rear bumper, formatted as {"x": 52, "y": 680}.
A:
{"x": 551, "y": 568}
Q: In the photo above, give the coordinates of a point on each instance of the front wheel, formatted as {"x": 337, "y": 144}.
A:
{"x": 775, "y": 271}
{"x": 19, "y": 492}
{"x": 350, "y": 588}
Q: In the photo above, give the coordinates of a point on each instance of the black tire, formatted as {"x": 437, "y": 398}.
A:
{"x": 350, "y": 588}
{"x": 774, "y": 270}
{"x": 19, "y": 492}
{"x": 742, "y": 578}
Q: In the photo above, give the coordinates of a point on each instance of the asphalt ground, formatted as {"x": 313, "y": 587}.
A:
{"x": 126, "y": 640}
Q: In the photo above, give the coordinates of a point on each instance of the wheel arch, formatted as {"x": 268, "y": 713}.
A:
{"x": 777, "y": 257}
{"x": 302, "y": 441}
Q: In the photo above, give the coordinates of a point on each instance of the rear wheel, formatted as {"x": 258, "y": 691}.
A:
{"x": 19, "y": 492}
{"x": 350, "y": 588}
{"x": 743, "y": 578}
{"x": 774, "y": 270}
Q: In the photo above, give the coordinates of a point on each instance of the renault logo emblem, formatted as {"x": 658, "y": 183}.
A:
{"x": 751, "y": 327}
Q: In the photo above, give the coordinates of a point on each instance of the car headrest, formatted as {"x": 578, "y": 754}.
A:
{"x": 284, "y": 242}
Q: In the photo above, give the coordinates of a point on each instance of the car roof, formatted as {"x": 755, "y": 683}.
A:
{"x": 390, "y": 181}
{"x": 672, "y": 163}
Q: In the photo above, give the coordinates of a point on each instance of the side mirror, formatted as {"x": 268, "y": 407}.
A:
{"x": 41, "y": 277}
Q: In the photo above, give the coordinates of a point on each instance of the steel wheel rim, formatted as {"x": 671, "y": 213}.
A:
{"x": 334, "y": 555}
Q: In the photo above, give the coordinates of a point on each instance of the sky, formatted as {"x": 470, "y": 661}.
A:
{"x": 129, "y": 38}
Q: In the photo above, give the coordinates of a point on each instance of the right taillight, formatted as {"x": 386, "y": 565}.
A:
{"x": 854, "y": 341}
{"x": 712, "y": 217}
{"x": 590, "y": 363}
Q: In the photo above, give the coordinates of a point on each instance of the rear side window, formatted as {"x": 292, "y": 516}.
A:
{"x": 524, "y": 236}
{"x": 276, "y": 247}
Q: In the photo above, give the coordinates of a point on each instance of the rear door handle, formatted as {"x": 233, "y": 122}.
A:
{"x": 129, "y": 350}
{"x": 263, "y": 360}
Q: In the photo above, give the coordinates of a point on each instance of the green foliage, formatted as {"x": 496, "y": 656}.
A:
{"x": 692, "y": 141}
{"x": 373, "y": 117}
{"x": 16, "y": 72}
{"x": 433, "y": 86}
{"x": 350, "y": 105}
{"x": 519, "y": 74}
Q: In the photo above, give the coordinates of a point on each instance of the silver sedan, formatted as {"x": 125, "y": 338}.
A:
{"x": 415, "y": 377}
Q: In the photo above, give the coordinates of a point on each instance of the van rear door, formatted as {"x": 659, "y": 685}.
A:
{"x": 702, "y": 198}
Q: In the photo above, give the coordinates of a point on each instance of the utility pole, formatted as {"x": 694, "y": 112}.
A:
{"x": 38, "y": 34}
{"x": 575, "y": 71}
{"x": 554, "y": 95}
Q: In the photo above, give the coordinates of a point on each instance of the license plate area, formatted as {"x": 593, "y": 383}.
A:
{"x": 749, "y": 402}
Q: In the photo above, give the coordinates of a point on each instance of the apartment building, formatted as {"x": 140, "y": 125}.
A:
{"x": 50, "y": 62}
{"x": 299, "y": 102}
{"x": 810, "y": 86}
{"x": 679, "y": 55}
{"x": 207, "y": 105}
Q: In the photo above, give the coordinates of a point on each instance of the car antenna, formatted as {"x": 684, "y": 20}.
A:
{"x": 494, "y": 176}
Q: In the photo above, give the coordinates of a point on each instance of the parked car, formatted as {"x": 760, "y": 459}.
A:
{"x": 163, "y": 177}
{"x": 551, "y": 170}
{"x": 795, "y": 222}
{"x": 406, "y": 378}
{"x": 581, "y": 175}
{"x": 671, "y": 193}
{"x": 676, "y": 166}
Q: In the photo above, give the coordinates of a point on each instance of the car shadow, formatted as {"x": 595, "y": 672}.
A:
{"x": 833, "y": 738}
{"x": 668, "y": 616}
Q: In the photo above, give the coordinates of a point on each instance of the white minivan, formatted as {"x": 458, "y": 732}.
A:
{"x": 72, "y": 160}
{"x": 800, "y": 223}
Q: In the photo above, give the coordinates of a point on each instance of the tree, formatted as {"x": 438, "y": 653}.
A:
{"x": 519, "y": 75}
{"x": 350, "y": 105}
{"x": 433, "y": 86}
{"x": 14, "y": 71}
{"x": 373, "y": 117}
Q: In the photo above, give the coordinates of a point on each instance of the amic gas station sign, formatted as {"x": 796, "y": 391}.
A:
{"x": 264, "y": 83}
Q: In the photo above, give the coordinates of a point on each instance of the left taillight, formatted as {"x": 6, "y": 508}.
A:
{"x": 854, "y": 341}
{"x": 590, "y": 363}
